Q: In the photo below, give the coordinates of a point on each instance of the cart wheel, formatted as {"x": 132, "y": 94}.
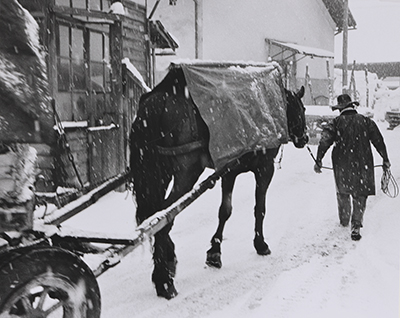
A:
{"x": 47, "y": 282}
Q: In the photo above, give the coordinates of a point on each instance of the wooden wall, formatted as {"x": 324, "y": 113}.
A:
{"x": 136, "y": 43}
{"x": 97, "y": 154}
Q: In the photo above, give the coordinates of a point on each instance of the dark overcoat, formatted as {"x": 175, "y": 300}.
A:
{"x": 352, "y": 158}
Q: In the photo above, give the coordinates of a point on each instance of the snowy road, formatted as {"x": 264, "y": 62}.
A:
{"x": 315, "y": 270}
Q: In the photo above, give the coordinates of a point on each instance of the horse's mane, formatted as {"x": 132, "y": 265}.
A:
{"x": 174, "y": 82}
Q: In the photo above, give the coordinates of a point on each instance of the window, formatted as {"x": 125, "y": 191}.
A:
{"x": 80, "y": 4}
{"x": 100, "y": 72}
{"x": 71, "y": 64}
{"x": 99, "y": 62}
{"x": 84, "y": 70}
{"x": 65, "y": 3}
{"x": 99, "y": 5}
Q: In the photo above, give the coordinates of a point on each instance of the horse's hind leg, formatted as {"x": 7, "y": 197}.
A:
{"x": 164, "y": 264}
{"x": 164, "y": 249}
{"x": 263, "y": 179}
{"x": 225, "y": 211}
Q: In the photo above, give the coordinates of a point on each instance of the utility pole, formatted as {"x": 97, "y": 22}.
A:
{"x": 345, "y": 45}
{"x": 198, "y": 27}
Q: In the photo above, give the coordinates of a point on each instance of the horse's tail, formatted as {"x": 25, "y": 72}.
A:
{"x": 148, "y": 170}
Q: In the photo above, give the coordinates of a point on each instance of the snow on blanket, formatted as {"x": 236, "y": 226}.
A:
{"x": 243, "y": 106}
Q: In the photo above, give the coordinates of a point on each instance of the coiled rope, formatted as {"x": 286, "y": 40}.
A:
{"x": 389, "y": 185}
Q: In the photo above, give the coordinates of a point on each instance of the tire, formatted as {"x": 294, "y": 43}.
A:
{"x": 47, "y": 282}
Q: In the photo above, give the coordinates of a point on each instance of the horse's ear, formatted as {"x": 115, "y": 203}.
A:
{"x": 300, "y": 93}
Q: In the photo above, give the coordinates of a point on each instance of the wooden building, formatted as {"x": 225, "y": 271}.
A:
{"x": 95, "y": 94}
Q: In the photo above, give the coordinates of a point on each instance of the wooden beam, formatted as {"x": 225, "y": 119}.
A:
{"x": 86, "y": 13}
{"x": 154, "y": 9}
{"x": 66, "y": 212}
{"x": 198, "y": 12}
{"x": 345, "y": 45}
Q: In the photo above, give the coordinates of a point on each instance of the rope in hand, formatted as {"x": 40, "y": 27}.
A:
{"x": 388, "y": 182}
{"x": 315, "y": 160}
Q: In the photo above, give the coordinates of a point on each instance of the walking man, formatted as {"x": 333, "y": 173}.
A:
{"x": 352, "y": 160}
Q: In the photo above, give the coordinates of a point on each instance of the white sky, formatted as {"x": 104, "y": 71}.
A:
{"x": 377, "y": 37}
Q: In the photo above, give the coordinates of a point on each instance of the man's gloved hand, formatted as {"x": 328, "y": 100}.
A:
{"x": 318, "y": 166}
{"x": 386, "y": 165}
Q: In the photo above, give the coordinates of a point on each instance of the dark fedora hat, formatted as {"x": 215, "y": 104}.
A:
{"x": 344, "y": 101}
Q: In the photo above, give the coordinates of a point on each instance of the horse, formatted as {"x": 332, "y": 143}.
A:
{"x": 169, "y": 144}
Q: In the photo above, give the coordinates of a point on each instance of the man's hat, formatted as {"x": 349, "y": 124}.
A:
{"x": 344, "y": 101}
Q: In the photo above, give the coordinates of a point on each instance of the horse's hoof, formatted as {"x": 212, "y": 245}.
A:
{"x": 261, "y": 247}
{"x": 264, "y": 252}
{"x": 166, "y": 290}
{"x": 214, "y": 260}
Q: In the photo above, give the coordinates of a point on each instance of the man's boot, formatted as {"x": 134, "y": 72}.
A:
{"x": 355, "y": 233}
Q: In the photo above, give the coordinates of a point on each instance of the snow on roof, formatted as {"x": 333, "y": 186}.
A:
{"x": 135, "y": 73}
{"x": 305, "y": 50}
{"x": 11, "y": 78}
{"x": 242, "y": 66}
{"x": 32, "y": 31}
{"x": 117, "y": 8}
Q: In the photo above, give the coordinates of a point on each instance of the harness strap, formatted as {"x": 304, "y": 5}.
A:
{"x": 182, "y": 149}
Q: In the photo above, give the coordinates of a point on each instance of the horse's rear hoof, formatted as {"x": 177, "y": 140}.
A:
{"x": 261, "y": 247}
{"x": 166, "y": 290}
{"x": 264, "y": 252}
{"x": 214, "y": 260}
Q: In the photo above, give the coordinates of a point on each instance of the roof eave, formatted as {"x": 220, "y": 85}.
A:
{"x": 335, "y": 9}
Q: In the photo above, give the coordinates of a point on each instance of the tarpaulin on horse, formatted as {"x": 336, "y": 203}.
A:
{"x": 243, "y": 106}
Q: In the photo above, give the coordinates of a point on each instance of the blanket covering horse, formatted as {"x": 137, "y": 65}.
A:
{"x": 251, "y": 98}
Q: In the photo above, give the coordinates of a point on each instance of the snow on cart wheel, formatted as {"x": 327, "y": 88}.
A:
{"x": 47, "y": 282}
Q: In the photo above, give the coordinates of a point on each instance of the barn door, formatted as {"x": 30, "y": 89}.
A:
{"x": 104, "y": 135}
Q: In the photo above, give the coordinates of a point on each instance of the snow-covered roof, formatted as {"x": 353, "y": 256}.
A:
{"x": 335, "y": 9}
{"x": 305, "y": 50}
{"x": 226, "y": 64}
{"x": 21, "y": 60}
{"x": 135, "y": 73}
{"x": 117, "y": 8}
{"x": 161, "y": 38}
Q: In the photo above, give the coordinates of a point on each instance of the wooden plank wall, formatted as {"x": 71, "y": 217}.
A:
{"x": 78, "y": 144}
{"x": 105, "y": 155}
{"x": 135, "y": 38}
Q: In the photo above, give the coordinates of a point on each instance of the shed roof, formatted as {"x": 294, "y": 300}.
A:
{"x": 304, "y": 50}
{"x": 160, "y": 37}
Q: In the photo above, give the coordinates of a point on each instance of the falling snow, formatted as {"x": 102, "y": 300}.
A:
{"x": 315, "y": 269}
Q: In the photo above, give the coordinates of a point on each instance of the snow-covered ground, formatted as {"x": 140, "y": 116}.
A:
{"x": 315, "y": 269}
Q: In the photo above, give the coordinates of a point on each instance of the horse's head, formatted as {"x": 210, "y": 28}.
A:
{"x": 296, "y": 118}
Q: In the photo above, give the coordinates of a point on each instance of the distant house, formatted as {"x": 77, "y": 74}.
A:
{"x": 297, "y": 34}
{"x": 388, "y": 72}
